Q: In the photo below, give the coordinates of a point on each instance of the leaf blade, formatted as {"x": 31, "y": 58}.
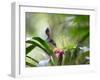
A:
{"x": 29, "y": 64}
{"x": 32, "y": 59}
{"x": 36, "y": 44}
{"x": 29, "y": 48}
{"x": 43, "y": 43}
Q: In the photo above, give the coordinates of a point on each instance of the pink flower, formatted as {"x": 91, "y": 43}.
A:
{"x": 58, "y": 52}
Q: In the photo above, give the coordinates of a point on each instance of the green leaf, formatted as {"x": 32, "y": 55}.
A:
{"x": 52, "y": 62}
{"x": 47, "y": 47}
{"x": 70, "y": 57}
{"x": 67, "y": 57}
{"x": 30, "y": 64}
{"x": 84, "y": 37}
{"x": 32, "y": 59}
{"x": 29, "y": 48}
{"x": 75, "y": 52}
{"x": 81, "y": 58}
{"x": 44, "y": 44}
{"x": 37, "y": 44}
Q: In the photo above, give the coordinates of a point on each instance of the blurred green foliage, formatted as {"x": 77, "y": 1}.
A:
{"x": 69, "y": 31}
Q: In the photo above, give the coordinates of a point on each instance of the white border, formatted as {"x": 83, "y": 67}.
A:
{"x": 19, "y": 60}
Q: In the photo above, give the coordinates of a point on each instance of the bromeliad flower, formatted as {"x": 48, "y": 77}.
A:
{"x": 59, "y": 52}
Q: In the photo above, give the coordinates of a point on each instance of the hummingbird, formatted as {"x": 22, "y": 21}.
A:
{"x": 49, "y": 39}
